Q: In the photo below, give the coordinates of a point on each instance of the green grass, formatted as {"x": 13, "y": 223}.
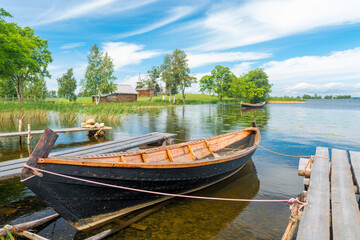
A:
{"x": 84, "y": 107}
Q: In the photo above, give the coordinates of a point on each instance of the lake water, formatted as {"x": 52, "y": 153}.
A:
{"x": 294, "y": 129}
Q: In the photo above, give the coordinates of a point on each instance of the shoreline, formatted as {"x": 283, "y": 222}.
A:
{"x": 286, "y": 102}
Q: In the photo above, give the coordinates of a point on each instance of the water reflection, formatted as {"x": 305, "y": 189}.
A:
{"x": 294, "y": 129}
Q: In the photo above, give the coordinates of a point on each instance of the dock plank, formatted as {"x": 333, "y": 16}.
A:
{"x": 355, "y": 166}
{"x": 38, "y": 132}
{"x": 12, "y": 168}
{"x": 345, "y": 210}
{"x": 315, "y": 222}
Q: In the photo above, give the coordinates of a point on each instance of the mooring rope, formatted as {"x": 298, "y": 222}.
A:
{"x": 291, "y": 200}
{"x": 286, "y": 155}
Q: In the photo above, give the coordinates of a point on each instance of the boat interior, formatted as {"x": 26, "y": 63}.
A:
{"x": 228, "y": 144}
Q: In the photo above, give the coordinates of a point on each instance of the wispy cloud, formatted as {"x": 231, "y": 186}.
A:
{"x": 241, "y": 68}
{"x": 234, "y": 25}
{"x": 124, "y": 54}
{"x": 201, "y": 59}
{"x": 91, "y": 8}
{"x": 329, "y": 72}
{"x": 174, "y": 15}
{"x": 72, "y": 45}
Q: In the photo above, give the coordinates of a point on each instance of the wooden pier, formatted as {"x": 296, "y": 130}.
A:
{"x": 332, "y": 211}
{"x": 95, "y": 131}
{"x": 12, "y": 168}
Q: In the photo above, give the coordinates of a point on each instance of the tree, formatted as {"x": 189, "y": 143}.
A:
{"x": 99, "y": 77}
{"x": 166, "y": 75}
{"x": 244, "y": 87}
{"x": 67, "y": 86}
{"x": 207, "y": 84}
{"x": 24, "y": 57}
{"x": 52, "y": 94}
{"x": 7, "y": 88}
{"x": 181, "y": 71}
{"x": 176, "y": 73}
{"x": 151, "y": 82}
{"x": 261, "y": 81}
{"x": 222, "y": 79}
{"x": 35, "y": 89}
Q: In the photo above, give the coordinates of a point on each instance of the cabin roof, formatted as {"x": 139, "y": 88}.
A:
{"x": 142, "y": 89}
{"x": 125, "y": 89}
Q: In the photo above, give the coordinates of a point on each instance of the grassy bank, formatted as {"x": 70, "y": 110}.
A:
{"x": 84, "y": 108}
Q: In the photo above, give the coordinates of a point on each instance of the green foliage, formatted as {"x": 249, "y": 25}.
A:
{"x": 67, "y": 86}
{"x": 222, "y": 77}
{"x": 207, "y": 84}
{"x": 181, "y": 71}
{"x": 307, "y": 96}
{"x": 7, "y": 88}
{"x": 262, "y": 88}
{"x": 99, "y": 77}
{"x": 175, "y": 72}
{"x": 52, "y": 94}
{"x": 35, "y": 89}
{"x": 24, "y": 57}
{"x": 151, "y": 82}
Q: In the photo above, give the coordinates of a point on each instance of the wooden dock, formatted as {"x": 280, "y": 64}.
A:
{"x": 39, "y": 132}
{"x": 12, "y": 168}
{"x": 332, "y": 211}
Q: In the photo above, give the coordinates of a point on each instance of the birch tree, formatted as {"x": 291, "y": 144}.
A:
{"x": 99, "y": 78}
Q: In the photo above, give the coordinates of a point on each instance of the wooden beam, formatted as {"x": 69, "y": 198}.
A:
{"x": 192, "y": 153}
{"x": 345, "y": 210}
{"x": 111, "y": 231}
{"x": 304, "y": 167}
{"x": 171, "y": 159}
{"x": 28, "y": 225}
{"x": 315, "y": 222}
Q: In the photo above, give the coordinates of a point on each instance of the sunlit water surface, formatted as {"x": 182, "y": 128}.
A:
{"x": 294, "y": 129}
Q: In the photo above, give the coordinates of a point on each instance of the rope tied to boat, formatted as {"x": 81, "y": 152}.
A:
{"x": 291, "y": 200}
{"x": 286, "y": 155}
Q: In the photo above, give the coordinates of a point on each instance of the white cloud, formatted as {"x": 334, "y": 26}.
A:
{"x": 124, "y": 54}
{"x": 232, "y": 25}
{"x": 337, "y": 71}
{"x": 201, "y": 59}
{"x": 241, "y": 68}
{"x": 174, "y": 15}
{"x": 72, "y": 45}
{"x": 89, "y": 8}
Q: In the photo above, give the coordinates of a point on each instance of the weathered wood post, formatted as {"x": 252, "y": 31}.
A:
{"x": 20, "y": 128}
{"x": 29, "y": 134}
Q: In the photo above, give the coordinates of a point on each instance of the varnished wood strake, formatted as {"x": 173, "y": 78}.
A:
{"x": 179, "y": 168}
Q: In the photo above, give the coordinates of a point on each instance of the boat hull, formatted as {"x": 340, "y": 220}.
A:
{"x": 85, "y": 205}
{"x": 249, "y": 105}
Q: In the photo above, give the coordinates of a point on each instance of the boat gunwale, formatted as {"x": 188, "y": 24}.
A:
{"x": 186, "y": 164}
{"x": 253, "y": 104}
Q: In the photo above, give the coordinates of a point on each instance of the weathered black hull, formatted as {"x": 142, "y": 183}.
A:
{"x": 244, "y": 105}
{"x": 85, "y": 204}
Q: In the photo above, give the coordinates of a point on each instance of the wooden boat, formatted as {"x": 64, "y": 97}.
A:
{"x": 251, "y": 105}
{"x": 180, "y": 168}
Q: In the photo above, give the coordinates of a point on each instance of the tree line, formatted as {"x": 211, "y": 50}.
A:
{"x": 253, "y": 85}
{"x": 24, "y": 60}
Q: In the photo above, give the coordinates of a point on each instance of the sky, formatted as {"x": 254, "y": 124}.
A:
{"x": 305, "y": 46}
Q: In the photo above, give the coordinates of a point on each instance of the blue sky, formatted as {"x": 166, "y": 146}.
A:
{"x": 305, "y": 46}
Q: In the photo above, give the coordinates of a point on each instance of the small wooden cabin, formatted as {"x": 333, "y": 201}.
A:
{"x": 123, "y": 93}
{"x": 145, "y": 92}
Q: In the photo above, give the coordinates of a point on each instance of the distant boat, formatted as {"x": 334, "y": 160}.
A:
{"x": 177, "y": 169}
{"x": 253, "y": 105}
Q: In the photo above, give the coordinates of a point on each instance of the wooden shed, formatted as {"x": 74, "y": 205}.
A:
{"x": 145, "y": 92}
{"x": 123, "y": 93}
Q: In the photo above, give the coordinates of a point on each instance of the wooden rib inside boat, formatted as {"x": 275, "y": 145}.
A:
{"x": 180, "y": 168}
